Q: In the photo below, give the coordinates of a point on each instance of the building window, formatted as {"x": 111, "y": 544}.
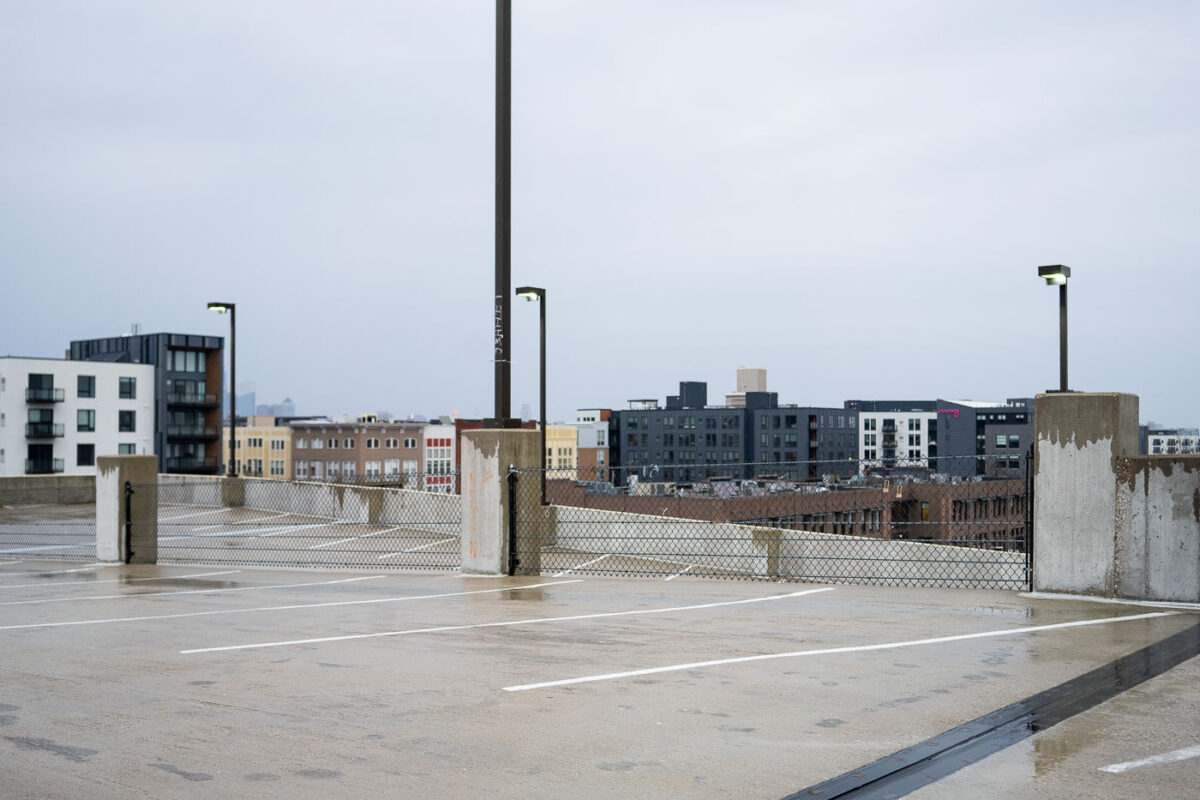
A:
{"x": 85, "y": 419}
{"x": 86, "y": 386}
{"x": 301, "y": 469}
{"x": 373, "y": 444}
{"x": 391, "y": 466}
{"x": 348, "y": 444}
{"x": 126, "y": 421}
{"x": 391, "y": 444}
{"x": 331, "y": 470}
{"x": 318, "y": 444}
{"x": 85, "y": 455}
{"x": 277, "y": 467}
{"x": 371, "y": 468}
{"x": 1001, "y": 440}
{"x": 1014, "y": 440}
{"x": 128, "y": 388}
{"x": 126, "y": 450}
{"x": 349, "y": 469}
{"x": 410, "y": 443}
{"x": 332, "y": 444}
{"x": 302, "y": 443}
{"x": 278, "y": 444}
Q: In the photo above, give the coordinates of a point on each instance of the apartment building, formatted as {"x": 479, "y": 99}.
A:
{"x": 441, "y": 463}
{"x": 963, "y": 438}
{"x": 562, "y": 459}
{"x": 688, "y": 440}
{"x": 186, "y": 389}
{"x": 327, "y": 450}
{"x": 592, "y": 444}
{"x": 1159, "y": 441}
{"x": 57, "y": 416}
{"x": 264, "y": 448}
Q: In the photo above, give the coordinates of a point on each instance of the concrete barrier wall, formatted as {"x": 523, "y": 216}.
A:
{"x": 23, "y": 489}
{"x": 1107, "y": 521}
{"x": 1158, "y": 544}
{"x": 780, "y": 553}
{"x": 377, "y": 505}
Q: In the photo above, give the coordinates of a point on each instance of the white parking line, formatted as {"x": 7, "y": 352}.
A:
{"x": 242, "y": 521}
{"x": 110, "y": 580}
{"x": 682, "y": 572}
{"x": 44, "y": 548}
{"x": 330, "y": 604}
{"x": 353, "y": 538}
{"x": 1165, "y": 758}
{"x": 584, "y": 564}
{"x": 422, "y": 547}
{"x": 48, "y": 572}
{"x": 254, "y": 532}
{"x": 197, "y": 514}
{"x": 189, "y": 591}
{"x": 504, "y": 624}
{"x": 827, "y": 651}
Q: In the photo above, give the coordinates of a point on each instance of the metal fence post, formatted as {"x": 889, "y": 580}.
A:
{"x": 513, "y": 560}
{"x": 128, "y": 555}
{"x": 1029, "y": 519}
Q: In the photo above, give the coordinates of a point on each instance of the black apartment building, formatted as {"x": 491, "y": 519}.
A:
{"x": 188, "y": 386}
{"x": 688, "y": 440}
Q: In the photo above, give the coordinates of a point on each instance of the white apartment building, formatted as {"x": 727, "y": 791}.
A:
{"x": 1180, "y": 441}
{"x": 894, "y": 438}
{"x": 57, "y": 416}
{"x": 439, "y": 459}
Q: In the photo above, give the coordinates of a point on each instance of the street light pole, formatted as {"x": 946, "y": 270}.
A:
{"x": 1056, "y": 275}
{"x": 221, "y": 308}
{"x": 532, "y": 293}
{"x": 502, "y": 326}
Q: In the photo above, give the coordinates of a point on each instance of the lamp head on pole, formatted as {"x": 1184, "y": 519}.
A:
{"x": 1055, "y": 274}
{"x": 531, "y": 293}
{"x": 220, "y": 308}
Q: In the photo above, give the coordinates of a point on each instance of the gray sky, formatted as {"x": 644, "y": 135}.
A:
{"x": 854, "y": 195}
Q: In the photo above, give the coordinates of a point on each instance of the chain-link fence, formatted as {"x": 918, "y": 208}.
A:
{"x": 248, "y": 522}
{"x": 906, "y": 524}
{"x": 55, "y": 522}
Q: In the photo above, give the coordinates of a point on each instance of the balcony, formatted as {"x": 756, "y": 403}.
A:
{"x": 192, "y": 464}
{"x": 43, "y": 430}
{"x": 44, "y": 395}
{"x": 889, "y": 427}
{"x": 43, "y": 466}
{"x": 192, "y": 431}
{"x": 191, "y": 399}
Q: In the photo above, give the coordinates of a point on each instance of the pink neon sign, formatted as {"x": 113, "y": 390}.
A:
{"x": 953, "y": 411}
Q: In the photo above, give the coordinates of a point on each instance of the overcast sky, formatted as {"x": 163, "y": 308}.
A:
{"x": 854, "y": 195}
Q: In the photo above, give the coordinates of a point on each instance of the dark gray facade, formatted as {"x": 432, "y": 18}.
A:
{"x": 690, "y": 441}
{"x": 188, "y": 384}
{"x": 991, "y": 441}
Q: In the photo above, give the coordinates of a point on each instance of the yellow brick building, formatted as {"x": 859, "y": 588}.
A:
{"x": 562, "y": 455}
{"x": 264, "y": 449}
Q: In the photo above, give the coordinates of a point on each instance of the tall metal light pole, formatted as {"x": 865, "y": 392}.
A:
{"x": 221, "y": 308}
{"x": 502, "y": 324}
{"x": 532, "y": 293}
{"x": 1056, "y": 275}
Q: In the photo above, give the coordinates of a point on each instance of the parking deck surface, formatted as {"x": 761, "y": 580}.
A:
{"x": 172, "y": 681}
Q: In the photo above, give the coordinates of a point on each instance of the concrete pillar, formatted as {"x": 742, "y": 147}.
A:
{"x": 486, "y": 456}
{"x": 1077, "y": 511}
{"x": 112, "y": 472}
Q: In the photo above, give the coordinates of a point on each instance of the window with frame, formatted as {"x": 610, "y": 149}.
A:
{"x": 278, "y": 444}
{"x": 302, "y": 443}
{"x": 85, "y": 386}
{"x": 277, "y": 467}
{"x": 126, "y": 450}
{"x": 349, "y": 469}
{"x": 332, "y": 444}
{"x": 1001, "y": 440}
{"x": 371, "y": 468}
{"x": 348, "y": 444}
{"x": 318, "y": 444}
{"x": 85, "y": 455}
{"x": 373, "y": 444}
{"x": 127, "y": 388}
{"x": 301, "y": 469}
{"x": 410, "y": 443}
{"x": 126, "y": 421}
{"x": 391, "y": 443}
{"x": 1014, "y": 440}
{"x": 85, "y": 419}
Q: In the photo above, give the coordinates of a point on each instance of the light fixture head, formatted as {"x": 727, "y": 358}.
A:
{"x": 220, "y": 308}
{"x": 531, "y": 293}
{"x": 1055, "y": 274}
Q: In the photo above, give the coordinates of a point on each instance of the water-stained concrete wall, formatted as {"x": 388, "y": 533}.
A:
{"x": 486, "y": 458}
{"x": 1078, "y": 438}
{"x": 1107, "y": 521}
{"x": 112, "y": 473}
{"x": 1158, "y": 552}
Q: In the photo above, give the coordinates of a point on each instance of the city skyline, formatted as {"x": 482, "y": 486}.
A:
{"x": 856, "y": 198}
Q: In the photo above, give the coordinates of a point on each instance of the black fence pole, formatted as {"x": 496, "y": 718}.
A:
{"x": 513, "y": 560}
{"x": 1029, "y": 519}
{"x": 128, "y": 555}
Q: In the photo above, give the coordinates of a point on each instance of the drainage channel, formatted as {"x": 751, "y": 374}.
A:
{"x": 910, "y": 769}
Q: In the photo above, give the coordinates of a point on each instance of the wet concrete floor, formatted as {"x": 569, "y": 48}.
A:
{"x": 147, "y": 681}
